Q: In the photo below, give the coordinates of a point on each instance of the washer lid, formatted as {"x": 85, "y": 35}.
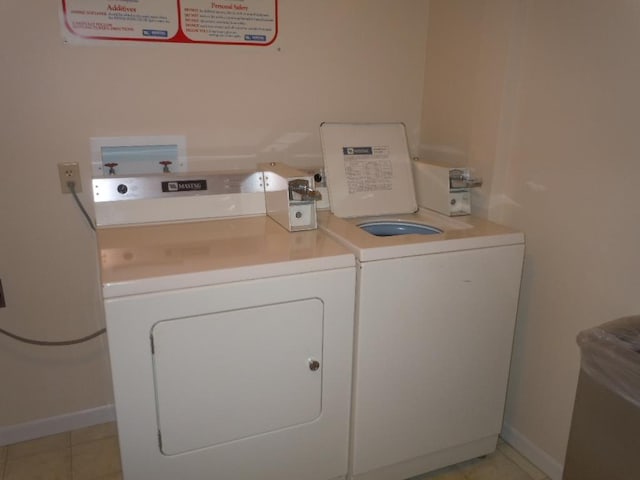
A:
{"x": 368, "y": 169}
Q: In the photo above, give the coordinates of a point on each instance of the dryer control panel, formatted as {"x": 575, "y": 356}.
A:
{"x": 166, "y": 197}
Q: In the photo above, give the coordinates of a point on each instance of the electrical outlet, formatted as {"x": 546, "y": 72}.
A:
{"x": 69, "y": 172}
{"x": 2, "y": 301}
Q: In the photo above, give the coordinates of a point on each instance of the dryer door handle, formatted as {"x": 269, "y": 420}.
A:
{"x": 314, "y": 364}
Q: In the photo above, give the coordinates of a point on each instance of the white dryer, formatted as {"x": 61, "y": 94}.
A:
{"x": 435, "y": 311}
{"x": 230, "y": 339}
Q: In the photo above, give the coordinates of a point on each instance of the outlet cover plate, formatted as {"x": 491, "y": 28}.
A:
{"x": 69, "y": 172}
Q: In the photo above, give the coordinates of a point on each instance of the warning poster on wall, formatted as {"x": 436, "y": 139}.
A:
{"x": 229, "y": 22}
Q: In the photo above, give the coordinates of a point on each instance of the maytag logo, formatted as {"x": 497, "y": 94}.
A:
{"x": 184, "y": 186}
{"x": 357, "y": 150}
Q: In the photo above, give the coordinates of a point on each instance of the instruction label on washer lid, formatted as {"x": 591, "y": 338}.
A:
{"x": 368, "y": 169}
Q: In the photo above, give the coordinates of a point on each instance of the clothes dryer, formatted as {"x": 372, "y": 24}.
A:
{"x": 230, "y": 339}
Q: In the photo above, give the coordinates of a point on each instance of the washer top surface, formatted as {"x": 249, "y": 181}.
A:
{"x": 151, "y": 258}
{"x": 460, "y": 233}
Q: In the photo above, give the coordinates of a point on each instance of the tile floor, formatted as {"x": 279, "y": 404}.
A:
{"x": 93, "y": 454}
{"x": 504, "y": 464}
{"x": 87, "y": 454}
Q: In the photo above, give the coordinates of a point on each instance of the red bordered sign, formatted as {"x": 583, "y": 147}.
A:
{"x": 228, "y": 22}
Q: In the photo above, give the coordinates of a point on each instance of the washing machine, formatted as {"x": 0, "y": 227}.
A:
{"x": 230, "y": 338}
{"x": 435, "y": 311}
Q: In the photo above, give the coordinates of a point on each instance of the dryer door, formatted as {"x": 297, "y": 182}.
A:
{"x": 236, "y": 374}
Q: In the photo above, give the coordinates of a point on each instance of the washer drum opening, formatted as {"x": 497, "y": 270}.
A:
{"x": 391, "y": 228}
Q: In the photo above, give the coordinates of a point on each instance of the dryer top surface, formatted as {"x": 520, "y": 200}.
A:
{"x": 149, "y": 258}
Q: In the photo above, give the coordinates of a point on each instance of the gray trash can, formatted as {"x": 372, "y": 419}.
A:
{"x": 604, "y": 442}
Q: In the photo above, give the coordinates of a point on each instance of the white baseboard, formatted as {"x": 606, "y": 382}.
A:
{"x": 532, "y": 452}
{"x": 57, "y": 424}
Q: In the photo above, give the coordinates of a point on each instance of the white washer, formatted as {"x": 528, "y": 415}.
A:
{"x": 230, "y": 339}
{"x": 435, "y": 313}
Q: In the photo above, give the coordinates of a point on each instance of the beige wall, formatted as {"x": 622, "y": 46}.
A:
{"x": 561, "y": 153}
{"x": 333, "y": 61}
{"x": 469, "y": 46}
